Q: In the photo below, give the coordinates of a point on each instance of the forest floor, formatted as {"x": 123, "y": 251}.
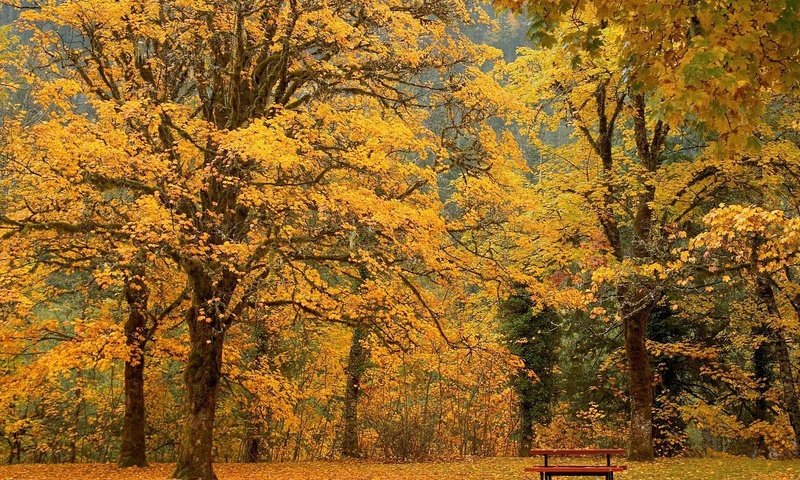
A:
{"x": 482, "y": 469}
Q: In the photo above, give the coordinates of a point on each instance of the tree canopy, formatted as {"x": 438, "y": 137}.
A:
{"x": 397, "y": 229}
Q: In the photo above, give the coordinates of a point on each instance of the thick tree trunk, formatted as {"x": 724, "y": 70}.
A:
{"x": 641, "y": 383}
{"x": 202, "y": 376}
{"x": 133, "y": 449}
{"x": 356, "y": 365}
{"x": 637, "y": 307}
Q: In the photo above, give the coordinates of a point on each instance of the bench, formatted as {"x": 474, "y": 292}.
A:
{"x": 548, "y": 472}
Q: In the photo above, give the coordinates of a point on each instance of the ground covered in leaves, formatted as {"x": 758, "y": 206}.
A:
{"x": 497, "y": 468}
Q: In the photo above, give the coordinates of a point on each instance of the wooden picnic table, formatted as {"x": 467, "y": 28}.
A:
{"x": 547, "y": 471}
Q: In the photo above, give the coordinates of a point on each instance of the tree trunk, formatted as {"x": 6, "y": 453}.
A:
{"x": 133, "y": 450}
{"x": 252, "y": 444}
{"x": 73, "y": 443}
{"x": 762, "y": 373}
{"x": 791, "y": 403}
{"x": 641, "y": 382}
{"x": 202, "y": 376}
{"x": 637, "y": 307}
{"x": 14, "y": 449}
{"x": 251, "y": 453}
{"x": 254, "y": 423}
{"x": 780, "y": 351}
{"x": 356, "y": 365}
{"x": 669, "y": 428}
{"x": 526, "y": 422}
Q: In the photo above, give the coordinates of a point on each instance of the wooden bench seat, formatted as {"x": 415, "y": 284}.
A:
{"x": 548, "y": 472}
{"x": 577, "y": 469}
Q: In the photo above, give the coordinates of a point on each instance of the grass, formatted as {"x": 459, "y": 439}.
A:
{"x": 481, "y": 469}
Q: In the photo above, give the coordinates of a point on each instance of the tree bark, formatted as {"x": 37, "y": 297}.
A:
{"x": 252, "y": 444}
{"x": 73, "y": 444}
{"x": 637, "y": 307}
{"x": 202, "y": 376}
{"x": 526, "y": 420}
{"x": 356, "y": 365}
{"x": 791, "y": 403}
{"x": 640, "y": 381}
{"x": 762, "y": 373}
{"x": 780, "y": 352}
{"x": 252, "y": 447}
{"x": 14, "y": 449}
{"x": 133, "y": 449}
{"x": 255, "y": 424}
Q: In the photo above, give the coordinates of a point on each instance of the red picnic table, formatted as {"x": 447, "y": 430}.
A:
{"x": 548, "y": 472}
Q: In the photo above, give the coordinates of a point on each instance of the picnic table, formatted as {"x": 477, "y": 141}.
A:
{"x": 547, "y": 471}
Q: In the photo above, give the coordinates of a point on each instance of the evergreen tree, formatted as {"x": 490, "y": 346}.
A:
{"x": 533, "y": 336}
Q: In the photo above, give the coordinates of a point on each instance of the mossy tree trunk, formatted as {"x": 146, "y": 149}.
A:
{"x": 133, "y": 447}
{"x": 203, "y": 372}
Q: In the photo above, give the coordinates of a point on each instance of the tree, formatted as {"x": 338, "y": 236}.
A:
{"x": 140, "y": 327}
{"x": 606, "y": 110}
{"x": 632, "y": 169}
{"x": 533, "y": 337}
{"x": 765, "y": 241}
{"x": 259, "y": 137}
{"x": 356, "y": 366}
{"x": 704, "y": 61}
{"x": 82, "y": 231}
{"x": 717, "y": 90}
